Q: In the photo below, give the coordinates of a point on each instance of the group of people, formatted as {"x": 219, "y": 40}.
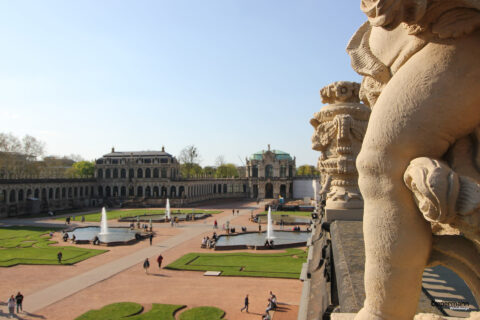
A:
{"x": 233, "y": 212}
{"x": 296, "y": 228}
{"x": 269, "y": 243}
{"x": 146, "y": 263}
{"x": 208, "y": 242}
{"x": 272, "y": 305}
{"x": 15, "y": 301}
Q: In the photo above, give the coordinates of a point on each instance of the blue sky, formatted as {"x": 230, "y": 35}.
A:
{"x": 228, "y": 76}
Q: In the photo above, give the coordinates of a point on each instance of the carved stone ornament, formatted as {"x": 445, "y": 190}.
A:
{"x": 339, "y": 130}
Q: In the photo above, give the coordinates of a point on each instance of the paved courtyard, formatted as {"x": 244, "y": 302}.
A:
{"x": 65, "y": 292}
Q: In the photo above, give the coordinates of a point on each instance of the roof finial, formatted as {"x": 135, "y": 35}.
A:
{"x": 113, "y": 149}
{"x": 268, "y": 147}
{"x": 163, "y": 148}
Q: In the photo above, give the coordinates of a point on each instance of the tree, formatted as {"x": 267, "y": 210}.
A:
{"x": 307, "y": 170}
{"x": 18, "y": 157}
{"x": 227, "y": 171}
{"x": 209, "y": 171}
{"x": 220, "y": 161}
{"x": 189, "y": 159}
{"x": 82, "y": 169}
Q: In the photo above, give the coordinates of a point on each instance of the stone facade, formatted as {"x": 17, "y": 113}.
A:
{"x": 144, "y": 179}
{"x": 270, "y": 174}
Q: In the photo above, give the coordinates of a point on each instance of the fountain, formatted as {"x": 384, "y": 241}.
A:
{"x": 256, "y": 240}
{"x": 270, "y": 235}
{"x": 167, "y": 210}
{"x": 103, "y": 223}
{"x": 106, "y": 236}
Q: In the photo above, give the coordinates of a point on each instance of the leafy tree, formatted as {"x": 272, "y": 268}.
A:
{"x": 209, "y": 171}
{"x": 227, "y": 171}
{"x": 189, "y": 159}
{"x": 307, "y": 170}
{"x": 82, "y": 169}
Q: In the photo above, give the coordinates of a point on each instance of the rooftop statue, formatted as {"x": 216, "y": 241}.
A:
{"x": 418, "y": 165}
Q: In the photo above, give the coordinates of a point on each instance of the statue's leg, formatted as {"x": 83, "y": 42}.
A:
{"x": 431, "y": 101}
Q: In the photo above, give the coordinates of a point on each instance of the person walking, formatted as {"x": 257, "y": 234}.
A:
{"x": 151, "y": 238}
{"x": 83, "y": 218}
{"x": 215, "y": 224}
{"x": 59, "y": 256}
{"x": 11, "y": 306}
{"x": 146, "y": 265}
{"x": 19, "y": 300}
{"x": 233, "y": 212}
{"x": 159, "y": 260}
{"x": 245, "y": 306}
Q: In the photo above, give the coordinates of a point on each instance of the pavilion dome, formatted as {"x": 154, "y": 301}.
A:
{"x": 279, "y": 155}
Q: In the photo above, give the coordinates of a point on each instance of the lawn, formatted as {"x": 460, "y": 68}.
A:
{"x": 291, "y": 213}
{"x": 31, "y": 245}
{"x": 133, "y": 311}
{"x": 117, "y": 214}
{"x": 269, "y": 265}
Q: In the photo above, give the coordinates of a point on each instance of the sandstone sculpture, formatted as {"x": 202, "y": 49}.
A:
{"x": 339, "y": 130}
{"x": 421, "y": 68}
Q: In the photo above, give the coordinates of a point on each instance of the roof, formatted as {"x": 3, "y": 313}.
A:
{"x": 137, "y": 154}
{"x": 279, "y": 155}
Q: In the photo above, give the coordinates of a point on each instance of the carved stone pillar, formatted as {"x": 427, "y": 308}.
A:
{"x": 339, "y": 130}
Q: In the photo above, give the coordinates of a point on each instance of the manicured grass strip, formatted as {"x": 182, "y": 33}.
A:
{"x": 31, "y": 245}
{"x": 117, "y": 214}
{"x": 113, "y": 311}
{"x": 272, "y": 265}
{"x": 159, "y": 311}
{"x": 290, "y": 213}
{"x": 202, "y": 313}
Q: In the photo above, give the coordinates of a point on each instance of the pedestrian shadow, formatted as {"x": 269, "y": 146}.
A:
{"x": 159, "y": 275}
{"x": 32, "y": 315}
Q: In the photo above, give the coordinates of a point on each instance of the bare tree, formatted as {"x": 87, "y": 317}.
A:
{"x": 189, "y": 158}
{"x": 220, "y": 161}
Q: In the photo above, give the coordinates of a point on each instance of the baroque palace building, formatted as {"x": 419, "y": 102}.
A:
{"x": 147, "y": 179}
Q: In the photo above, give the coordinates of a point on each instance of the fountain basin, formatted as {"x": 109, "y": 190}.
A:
{"x": 159, "y": 218}
{"x": 256, "y": 240}
{"x": 287, "y": 219}
{"x": 115, "y": 236}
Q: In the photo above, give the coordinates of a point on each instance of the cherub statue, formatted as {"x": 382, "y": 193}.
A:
{"x": 421, "y": 65}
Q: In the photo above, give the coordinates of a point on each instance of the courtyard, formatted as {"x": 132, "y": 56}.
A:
{"x": 117, "y": 275}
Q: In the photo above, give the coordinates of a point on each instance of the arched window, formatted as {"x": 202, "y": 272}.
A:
{"x": 115, "y": 173}
{"x": 131, "y": 192}
{"x": 100, "y": 174}
{"x": 164, "y": 172}
{"x": 44, "y": 194}
{"x": 29, "y": 193}
{"x": 20, "y": 195}
{"x": 269, "y": 171}
{"x": 173, "y": 192}
{"x": 108, "y": 191}
{"x": 50, "y": 193}
{"x": 283, "y": 172}
{"x": 131, "y": 173}
{"x": 290, "y": 171}
{"x": 75, "y": 192}
{"x": 139, "y": 173}
{"x": 64, "y": 193}
{"x": 181, "y": 191}
{"x": 123, "y": 173}
{"x": 155, "y": 173}
{"x": 156, "y": 192}
{"x": 37, "y": 194}
{"x": 13, "y": 197}
{"x": 70, "y": 192}
{"x": 214, "y": 188}
{"x": 147, "y": 173}
{"x": 224, "y": 188}
{"x": 123, "y": 191}
{"x": 148, "y": 191}
{"x": 57, "y": 193}
{"x": 139, "y": 191}
{"x": 254, "y": 171}
{"x": 107, "y": 174}
{"x": 115, "y": 191}
{"x": 100, "y": 191}
{"x": 81, "y": 192}
{"x": 164, "y": 191}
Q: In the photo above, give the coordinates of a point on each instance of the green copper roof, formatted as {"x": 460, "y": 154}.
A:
{"x": 279, "y": 155}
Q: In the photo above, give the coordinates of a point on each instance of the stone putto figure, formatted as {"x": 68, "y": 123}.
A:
{"x": 421, "y": 68}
